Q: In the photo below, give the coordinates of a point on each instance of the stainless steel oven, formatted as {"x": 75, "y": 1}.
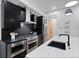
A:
{"x": 16, "y": 48}
{"x": 32, "y": 44}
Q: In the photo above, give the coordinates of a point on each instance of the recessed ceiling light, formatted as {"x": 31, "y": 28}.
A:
{"x": 53, "y": 8}
{"x": 70, "y": 4}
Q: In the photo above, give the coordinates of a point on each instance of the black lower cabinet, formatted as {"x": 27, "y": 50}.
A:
{"x": 21, "y": 55}
{"x": 41, "y": 40}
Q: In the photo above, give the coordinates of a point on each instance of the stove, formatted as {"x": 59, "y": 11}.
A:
{"x": 32, "y": 43}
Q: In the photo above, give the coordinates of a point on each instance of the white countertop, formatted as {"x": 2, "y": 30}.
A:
{"x": 50, "y": 52}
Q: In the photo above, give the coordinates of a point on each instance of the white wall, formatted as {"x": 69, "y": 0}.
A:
{"x": 75, "y": 22}
{"x": 0, "y": 20}
{"x": 54, "y": 26}
{"x": 72, "y": 19}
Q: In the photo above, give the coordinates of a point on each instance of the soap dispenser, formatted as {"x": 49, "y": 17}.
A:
{"x": 13, "y": 35}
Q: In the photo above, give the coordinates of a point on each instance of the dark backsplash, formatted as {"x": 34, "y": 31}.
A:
{"x": 5, "y": 34}
{"x": 25, "y": 29}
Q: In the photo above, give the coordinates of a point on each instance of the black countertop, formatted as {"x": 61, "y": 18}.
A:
{"x": 18, "y": 39}
{"x": 13, "y": 41}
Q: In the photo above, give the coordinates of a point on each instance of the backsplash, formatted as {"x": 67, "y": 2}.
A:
{"x": 25, "y": 29}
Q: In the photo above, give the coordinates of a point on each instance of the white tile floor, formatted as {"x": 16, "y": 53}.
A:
{"x": 50, "y": 52}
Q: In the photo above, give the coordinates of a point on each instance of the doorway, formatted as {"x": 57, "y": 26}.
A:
{"x": 52, "y": 26}
{"x": 50, "y": 32}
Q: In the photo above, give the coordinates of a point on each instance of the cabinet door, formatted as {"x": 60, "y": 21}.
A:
{"x": 32, "y": 17}
{"x": 41, "y": 40}
{"x": 39, "y": 25}
{"x": 2, "y": 14}
{"x": 11, "y": 15}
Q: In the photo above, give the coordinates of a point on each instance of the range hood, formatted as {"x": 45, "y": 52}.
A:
{"x": 28, "y": 19}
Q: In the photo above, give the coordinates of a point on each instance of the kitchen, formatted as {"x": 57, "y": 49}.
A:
{"x": 19, "y": 36}
{"x": 31, "y": 29}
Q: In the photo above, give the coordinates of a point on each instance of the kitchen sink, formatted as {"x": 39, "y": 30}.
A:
{"x": 57, "y": 44}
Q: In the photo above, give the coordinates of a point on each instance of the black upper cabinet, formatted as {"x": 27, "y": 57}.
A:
{"x": 13, "y": 11}
{"x": 32, "y": 17}
{"x": 13, "y": 15}
{"x": 22, "y": 16}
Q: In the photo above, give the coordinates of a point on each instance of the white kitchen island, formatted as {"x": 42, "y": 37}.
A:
{"x": 52, "y": 52}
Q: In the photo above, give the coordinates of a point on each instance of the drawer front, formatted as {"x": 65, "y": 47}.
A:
{"x": 16, "y": 48}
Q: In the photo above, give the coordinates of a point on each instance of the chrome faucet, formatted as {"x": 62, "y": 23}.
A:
{"x": 68, "y": 43}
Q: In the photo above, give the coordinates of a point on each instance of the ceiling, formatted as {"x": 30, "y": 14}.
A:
{"x": 46, "y": 5}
